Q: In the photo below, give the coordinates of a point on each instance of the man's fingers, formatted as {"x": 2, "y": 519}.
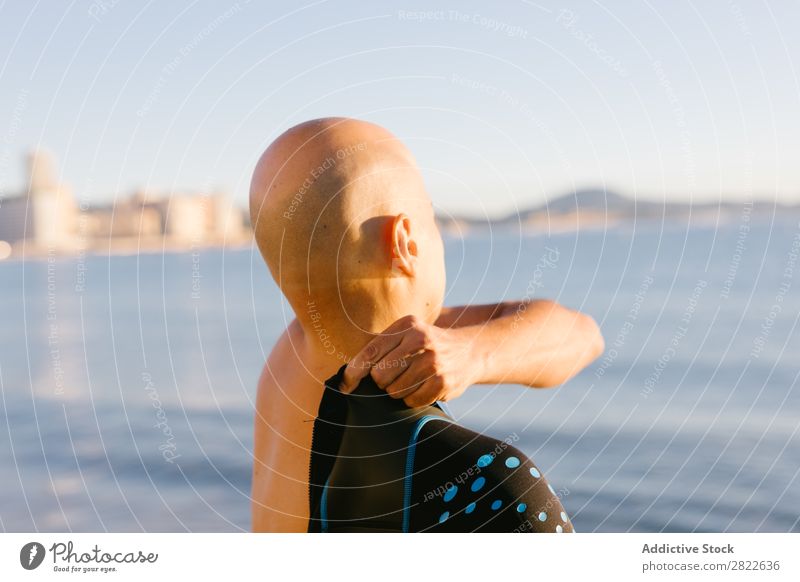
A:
{"x": 392, "y": 365}
{"x": 376, "y": 349}
{"x": 414, "y": 376}
{"x": 363, "y": 361}
{"x": 424, "y": 395}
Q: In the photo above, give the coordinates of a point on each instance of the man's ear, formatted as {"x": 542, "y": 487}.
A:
{"x": 403, "y": 247}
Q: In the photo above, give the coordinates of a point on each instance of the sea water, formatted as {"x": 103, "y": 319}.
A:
{"x": 128, "y": 382}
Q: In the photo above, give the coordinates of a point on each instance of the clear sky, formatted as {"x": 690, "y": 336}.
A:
{"x": 503, "y": 103}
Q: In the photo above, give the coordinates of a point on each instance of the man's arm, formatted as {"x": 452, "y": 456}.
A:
{"x": 533, "y": 343}
{"x": 465, "y": 315}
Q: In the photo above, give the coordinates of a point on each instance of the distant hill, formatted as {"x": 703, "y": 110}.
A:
{"x": 588, "y": 199}
{"x": 592, "y": 208}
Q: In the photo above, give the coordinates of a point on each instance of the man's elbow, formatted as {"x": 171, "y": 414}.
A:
{"x": 590, "y": 345}
{"x": 595, "y": 343}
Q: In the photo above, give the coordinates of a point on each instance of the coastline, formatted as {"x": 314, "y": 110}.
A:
{"x": 27, "y": 251}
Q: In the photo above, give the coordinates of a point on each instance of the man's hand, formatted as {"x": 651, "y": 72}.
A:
{"x": 416, "y": 361}
{"x": 534, "y": 343}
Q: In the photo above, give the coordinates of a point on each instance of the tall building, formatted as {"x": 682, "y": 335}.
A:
{"x": 45, "y": 216}
{"x": 41, "y": 172}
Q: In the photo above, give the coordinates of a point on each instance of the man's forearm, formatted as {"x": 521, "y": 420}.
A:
{"x": 536, "y": 343}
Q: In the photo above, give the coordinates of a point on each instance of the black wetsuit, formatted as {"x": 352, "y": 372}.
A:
{"x": 377, "y": 465}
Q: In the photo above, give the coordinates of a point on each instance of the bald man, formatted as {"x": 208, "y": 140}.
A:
{"x": 346, "y": 227}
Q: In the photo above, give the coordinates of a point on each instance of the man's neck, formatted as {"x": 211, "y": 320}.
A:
{"x": 334, "y": 336}
{"x": 338, "y": 322}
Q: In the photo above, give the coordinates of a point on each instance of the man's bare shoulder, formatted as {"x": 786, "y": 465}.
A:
{"x": 290, "y": 342}
{"x": 289, "y": 377}
{"x": 282, "y": 359}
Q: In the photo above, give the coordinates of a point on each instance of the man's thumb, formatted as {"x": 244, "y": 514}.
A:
{"x": 349, "y": 379}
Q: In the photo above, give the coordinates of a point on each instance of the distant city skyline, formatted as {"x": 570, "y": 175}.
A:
{"x": 46, "y": 219}
{"x": 503, "y": 105}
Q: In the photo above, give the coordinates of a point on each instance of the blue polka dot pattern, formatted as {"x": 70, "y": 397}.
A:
{"x": 485, "y": 461}
{"x": 521, "y": 507}
{"x": 559, "y": 529}
{"x": 512, "y": 462}
{"x": 451, "y": 492}
{"x": 470, "y": 508}
{"x": 542, "y": 516}
{"x": 478, "y": 484}
{"x": 496, "y": 504}
{"x": 444, "y": 516}
{"x": 563, "y": 517}
{"x": 535, "y": 472}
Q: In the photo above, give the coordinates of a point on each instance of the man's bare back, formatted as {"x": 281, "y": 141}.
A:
{"x": 289, "y": 391}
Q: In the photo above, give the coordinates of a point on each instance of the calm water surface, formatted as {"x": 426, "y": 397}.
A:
{"x": 128, "y": 382}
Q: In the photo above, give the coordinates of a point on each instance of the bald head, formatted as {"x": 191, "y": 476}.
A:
{"x": 340, "y": 211}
